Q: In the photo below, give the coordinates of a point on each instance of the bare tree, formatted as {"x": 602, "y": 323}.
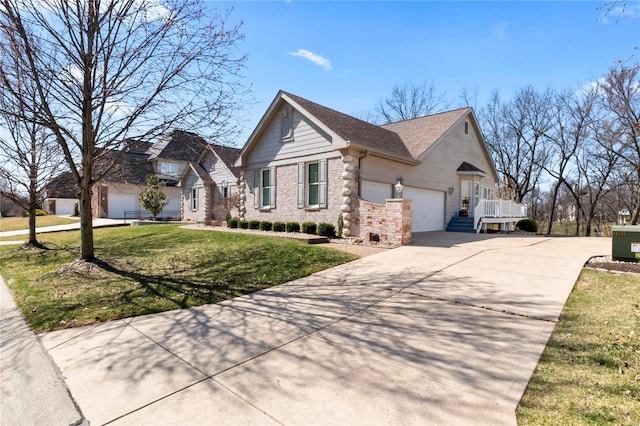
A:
{"x": 570, "y": 123}
{"x": 514, "y": 132}
{"x": 620, "y": 97}
{"x": 30, "y": 158}
{"x": 109, "y": 71}
{"x": 410, "y": 100}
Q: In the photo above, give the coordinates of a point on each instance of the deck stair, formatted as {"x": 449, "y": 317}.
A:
{"x": 461, "y": 224}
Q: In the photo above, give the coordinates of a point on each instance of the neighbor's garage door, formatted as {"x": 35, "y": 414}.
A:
{"x": 427, "y": 209}
{"x": 375, "y": 192}
{"x": 119, "y": 203}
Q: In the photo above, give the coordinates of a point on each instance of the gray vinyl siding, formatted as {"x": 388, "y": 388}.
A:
{"x": 307, "y": 140}
{"x": 220, "y": 173}
{"x": 438, "y": 170}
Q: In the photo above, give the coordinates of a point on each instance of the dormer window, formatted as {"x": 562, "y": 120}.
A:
{"x": 168, "y": 170}
{"x": 286, "y": 125}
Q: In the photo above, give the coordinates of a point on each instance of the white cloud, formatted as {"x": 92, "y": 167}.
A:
{"x": 310, "y": 56}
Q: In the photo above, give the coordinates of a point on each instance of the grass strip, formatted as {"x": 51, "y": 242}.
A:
{"x": 150, "y": 269}
{"x": 589, "y": 373}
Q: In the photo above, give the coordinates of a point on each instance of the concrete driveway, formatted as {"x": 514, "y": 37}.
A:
{"x": 445, "y": 331}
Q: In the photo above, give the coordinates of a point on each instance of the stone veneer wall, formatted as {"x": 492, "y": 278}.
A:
{"x": 391, "y": 221}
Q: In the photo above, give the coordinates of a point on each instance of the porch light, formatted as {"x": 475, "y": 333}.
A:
{"x": 451, "y": 189}
{"x": 399, "y": 187}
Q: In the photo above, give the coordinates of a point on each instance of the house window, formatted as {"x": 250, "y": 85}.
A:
{"x": 225, "y": 192}
{"x": 313, "y": 185}
{"x": 286, "y": 125}
{"x": 194, "y": 199}
{"x": 169, "y": 170}
{"x": 266, "y": 187}
{"x": 466, "y": 127}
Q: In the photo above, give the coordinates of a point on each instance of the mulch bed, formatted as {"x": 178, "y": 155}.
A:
{"x": 606, "y": 262}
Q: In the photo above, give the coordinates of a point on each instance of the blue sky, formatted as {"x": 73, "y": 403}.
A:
{"x": 348, "y": 55}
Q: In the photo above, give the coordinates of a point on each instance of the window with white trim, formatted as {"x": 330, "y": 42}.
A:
{"x": 266, "y": 187}
{"x": 168, "y": 170}
{"x": 313, "y": 185}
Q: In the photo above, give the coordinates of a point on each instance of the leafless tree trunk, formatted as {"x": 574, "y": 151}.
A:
{"x": 109, "y": 72}
{"x": 571, "y": 120}
{"x": 29, "y": 156}
{"x": 620, "y": 96}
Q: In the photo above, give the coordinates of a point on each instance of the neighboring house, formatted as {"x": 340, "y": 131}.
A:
{"x": 175, "y": 158}
{"x": 61, "y": 195}
{"x": 306, "y": 162}
{"x": 210, "y": 185}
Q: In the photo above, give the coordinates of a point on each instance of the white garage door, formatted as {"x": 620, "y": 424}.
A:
{"x": 119, "y": 203}
{"x": 427, "y": 209}
{"x": 375, "y": 192}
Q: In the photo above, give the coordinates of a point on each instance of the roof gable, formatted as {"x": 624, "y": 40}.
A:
{"x": 228, "y": 155}
{"x": 420, "y": 134}
{"x": 354, "y": 130}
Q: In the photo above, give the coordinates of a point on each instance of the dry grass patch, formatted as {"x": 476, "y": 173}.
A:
{"x": 589, "y": 372}
{"x": 19, "y": 223}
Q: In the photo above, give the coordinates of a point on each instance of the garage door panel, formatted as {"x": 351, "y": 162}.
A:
{"x": 427, "y": 209}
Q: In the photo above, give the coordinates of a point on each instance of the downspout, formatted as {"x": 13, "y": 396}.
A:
{"x": 366, "y": 154}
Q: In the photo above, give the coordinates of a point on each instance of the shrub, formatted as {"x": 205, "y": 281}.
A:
{"x": 279, "y": 226}
{"x": 309, "y": 228}
{"x": 340, "y": 225}
{"x": 233, "y": 223}
{"x": 326, "y": 230}
{"x": 39, "y": 212}
{"x": 266, "y": 225}
{"x": 254, "y": 224}
{"x": 244, "y": 224}
{"x": 527, "y": 225}
{"x": 76, "y": 209}
{"x": 293, "y": 227}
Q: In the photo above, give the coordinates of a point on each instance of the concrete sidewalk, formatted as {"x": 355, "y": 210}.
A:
{"x": 97, "y": 223}
{"x": 445, "y": 331}
{"x": 32, "y": 392}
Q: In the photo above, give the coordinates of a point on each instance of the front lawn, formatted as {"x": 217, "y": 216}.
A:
{"x": 149, "y": 269}
{"x": 18, "y": 223}
{"x": 589, "y": 372}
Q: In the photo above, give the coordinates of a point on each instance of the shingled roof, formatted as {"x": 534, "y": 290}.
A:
{"x": 419, "y": 134}
{"x": 133, "y": 168}
{"x": 228, "y": 155}
{"x": 179, "y": 145}
{"x": 355, "y": 130}
{"x": 62, "y": 186}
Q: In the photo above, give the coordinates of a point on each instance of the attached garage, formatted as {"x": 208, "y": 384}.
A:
{"x": 375, "y": 192}
{"x": 427, "y": 209}
{"x": 119, "y": 203}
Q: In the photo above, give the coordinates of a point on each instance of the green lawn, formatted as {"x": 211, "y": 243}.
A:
{"x": 17, "y": 223}
{"x": 589, "y": 373}
{"x": 149, "y": 269}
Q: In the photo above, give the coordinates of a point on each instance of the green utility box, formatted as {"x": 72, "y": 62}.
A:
{"x": 626, "y": 243}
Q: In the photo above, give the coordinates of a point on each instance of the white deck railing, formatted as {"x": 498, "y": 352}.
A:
{"x": 500, "y": 209}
